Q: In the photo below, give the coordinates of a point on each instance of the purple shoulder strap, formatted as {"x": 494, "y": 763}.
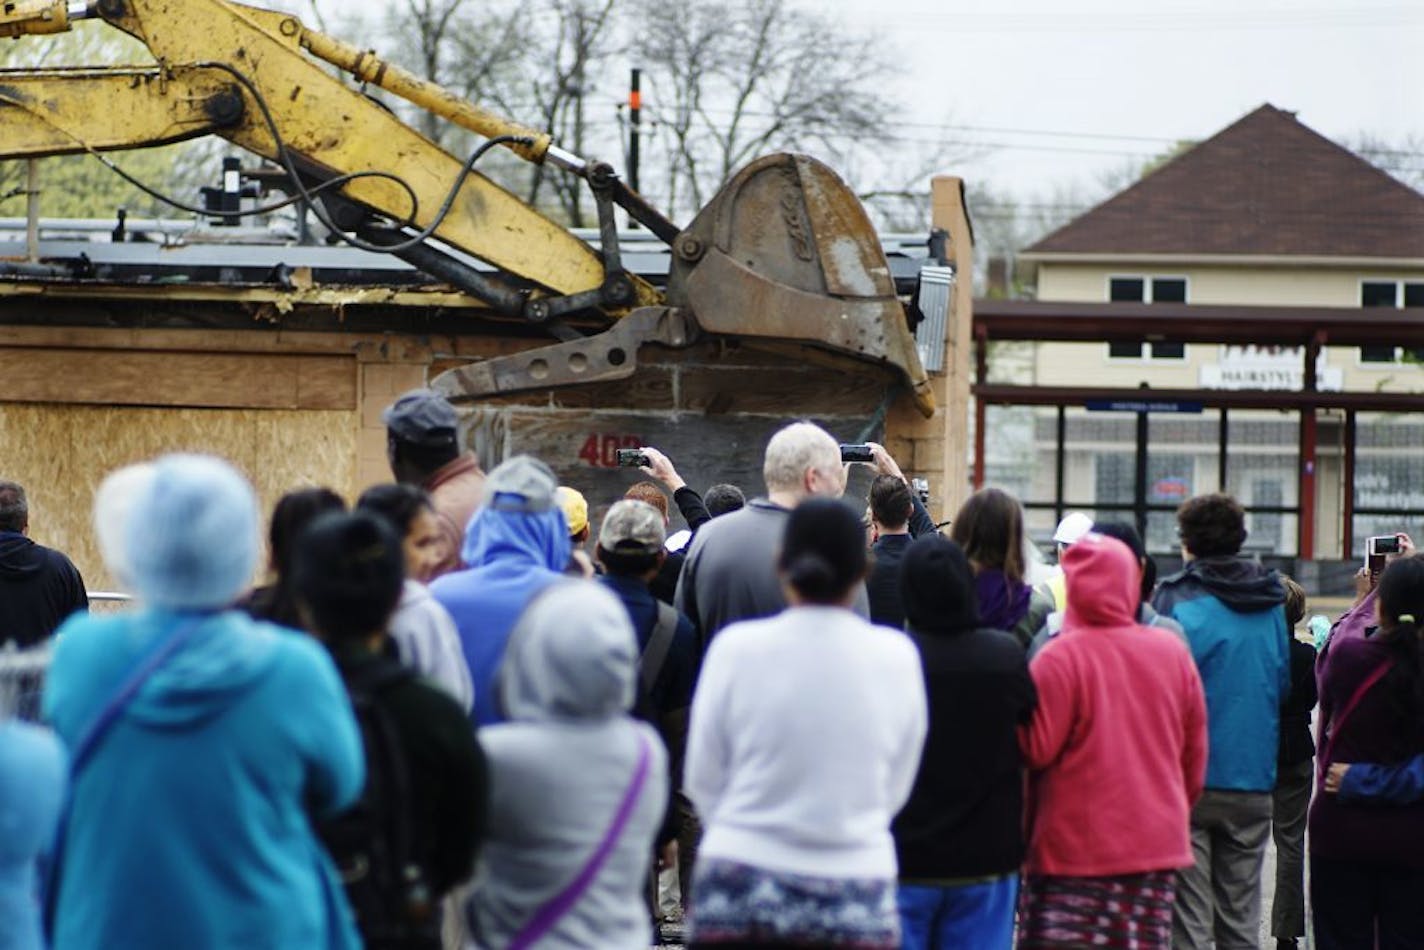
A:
{"x": 550, "y": 913}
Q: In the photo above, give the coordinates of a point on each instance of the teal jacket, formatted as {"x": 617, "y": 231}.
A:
{"x": 32, "y": 767}
{"x": 188, "y": 826}
{"x": 1232, "y": 611}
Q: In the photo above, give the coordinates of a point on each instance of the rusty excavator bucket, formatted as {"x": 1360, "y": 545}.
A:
{"x": 786, "y": 252}
{"x": 783, "y": 253}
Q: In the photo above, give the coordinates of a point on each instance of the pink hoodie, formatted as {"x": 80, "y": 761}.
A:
{"x": 1117, "y": 747}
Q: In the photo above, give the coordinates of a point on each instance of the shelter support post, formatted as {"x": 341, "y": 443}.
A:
{"x": 1309, "y": 437}
{"x": 1347, "y": 500}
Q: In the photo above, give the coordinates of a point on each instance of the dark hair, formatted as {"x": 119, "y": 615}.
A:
{"x": 347, "y": 572}
{"x": 722, "y": 498}
{"x": 397, "y": 503}
{"x": 14, "y": 507}
{"x": 1127, "y": 534}
{"x": 1212, "y": 525}
{"x": 1401, "y": 611}
{"x": 424, "y": 459}
{"x": 937, "y": 586}
{"x": 890, "y": 502}
{"x": 649, "y": 493}
{"x": 823, "y": 550}
{"x": 292, "y": 513}
{"x": 989, "y": 527}
{"x": 626, "y": 564}
{"x": 1295, "y": 601}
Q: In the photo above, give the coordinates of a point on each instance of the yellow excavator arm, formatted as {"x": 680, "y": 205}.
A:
{"x": 783, "y": 253}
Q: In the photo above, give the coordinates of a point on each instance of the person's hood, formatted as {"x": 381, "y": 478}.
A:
{"x": 572, "y": 656}
{"x": 1104, "y": 583}
{"x": 226, "y": 655}
{"x": 937, "y": 586}
{"x": 539, "y": 538}
{"x": 1240, "y": 584}
{"x": 20, "y": 557}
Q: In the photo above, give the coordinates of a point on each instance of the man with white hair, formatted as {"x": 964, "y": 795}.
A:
{"x": 730, "y": 572}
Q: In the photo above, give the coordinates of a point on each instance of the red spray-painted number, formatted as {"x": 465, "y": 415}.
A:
{"x": 601, "y": 450}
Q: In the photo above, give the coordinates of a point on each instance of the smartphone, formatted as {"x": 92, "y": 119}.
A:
{"x": 631, "y": 458}
{"x": 856, "y": 453}
{"x": 1376, "y": 548}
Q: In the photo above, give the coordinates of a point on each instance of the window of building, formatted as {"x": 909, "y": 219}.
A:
{"x": 1147, "y": 290}
{"x": 1388, "y": 293}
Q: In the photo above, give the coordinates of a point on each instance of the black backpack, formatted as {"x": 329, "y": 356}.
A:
{"x": 651, "y": 662}
{"x": 373, "y": 842}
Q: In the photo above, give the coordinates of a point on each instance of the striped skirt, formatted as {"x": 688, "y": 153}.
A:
{"x": 1131, "y": 911}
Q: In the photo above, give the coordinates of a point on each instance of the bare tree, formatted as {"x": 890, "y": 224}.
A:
{"x": 574, "y": 51}
{"x": 1403, "y": 157}
{"x": 754, "y": 76}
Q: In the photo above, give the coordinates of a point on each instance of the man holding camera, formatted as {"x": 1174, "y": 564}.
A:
{"x": 897, "y": 516}
{"x": 730, "y": 572}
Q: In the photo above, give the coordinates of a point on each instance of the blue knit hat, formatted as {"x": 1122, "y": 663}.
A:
{"x": 192, "y": 539}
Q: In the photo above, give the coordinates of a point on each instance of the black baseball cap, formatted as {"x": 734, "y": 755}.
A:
{"x": 422, "y": 417}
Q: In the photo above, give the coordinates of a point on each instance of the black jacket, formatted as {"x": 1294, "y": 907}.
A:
{"x": 695, "y": 513}
{"x": 39, "y": 589}
{"x": 887, "y": 607}
{"x": 964, "y": 818}
{"x": 449, "y": 779}
{"x": 1296, "y": 743}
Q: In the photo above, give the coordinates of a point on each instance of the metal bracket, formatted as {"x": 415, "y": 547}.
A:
{"x": 610, "y": 355}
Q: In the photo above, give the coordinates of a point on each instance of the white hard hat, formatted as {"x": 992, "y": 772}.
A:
{"x": 1074, "y": 525}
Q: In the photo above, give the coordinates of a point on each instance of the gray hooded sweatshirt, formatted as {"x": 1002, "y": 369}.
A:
{"x": 559, "y": 769}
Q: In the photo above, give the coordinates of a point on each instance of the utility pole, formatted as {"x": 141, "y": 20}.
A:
{"x": 635, "y": 108}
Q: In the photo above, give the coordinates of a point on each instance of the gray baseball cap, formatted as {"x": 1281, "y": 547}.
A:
{"x": 422, "y": 417}
{"x": 522, "y": 484}
{"x": 632, "y": 527}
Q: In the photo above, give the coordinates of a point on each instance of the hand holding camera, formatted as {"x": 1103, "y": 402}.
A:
{"x": 657, "y": 466}
{"x": 1381, "y": 549}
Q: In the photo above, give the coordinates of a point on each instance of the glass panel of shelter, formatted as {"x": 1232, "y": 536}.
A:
{"x": 1389, "y": 477}
{"x": 1060, "y": 459}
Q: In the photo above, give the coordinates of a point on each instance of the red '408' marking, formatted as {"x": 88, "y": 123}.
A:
{"x": 601, "y": 450}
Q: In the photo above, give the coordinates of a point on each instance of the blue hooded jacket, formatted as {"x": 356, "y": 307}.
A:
{"x": 1232, "y": 611}
{"x": 32, "y": 768}
{"x": 188, "y": 825}
{"x": 510, "y": 557}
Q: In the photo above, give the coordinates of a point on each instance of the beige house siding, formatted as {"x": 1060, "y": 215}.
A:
{"x": 1247, "y": 286}
{"x": 1082, "y": 364}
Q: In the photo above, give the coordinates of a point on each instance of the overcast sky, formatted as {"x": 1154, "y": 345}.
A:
{"x": 1151, "y": 71}
{"x": 1057, "y": 91}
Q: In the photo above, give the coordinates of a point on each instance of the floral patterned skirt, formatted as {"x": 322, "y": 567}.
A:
{"x": 737, "y": 903}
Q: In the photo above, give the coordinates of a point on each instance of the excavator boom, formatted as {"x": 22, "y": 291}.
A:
{"x": 784, "y": 253}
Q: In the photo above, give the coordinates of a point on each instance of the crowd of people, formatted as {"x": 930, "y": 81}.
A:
{"x": 456, "y": 715}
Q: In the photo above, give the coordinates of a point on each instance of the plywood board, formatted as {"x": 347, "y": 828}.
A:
{"x": 156, "y": 378}
{"x": 60, "y": 453}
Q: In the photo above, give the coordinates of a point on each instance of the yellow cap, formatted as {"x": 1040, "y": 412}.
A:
{"x": 575, "y": 508}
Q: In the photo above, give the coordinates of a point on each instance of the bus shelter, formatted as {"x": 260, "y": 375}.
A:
{"x": 1287, "y": 408}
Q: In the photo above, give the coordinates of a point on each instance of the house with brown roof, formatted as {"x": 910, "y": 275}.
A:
{"x": 1267, "y": 214}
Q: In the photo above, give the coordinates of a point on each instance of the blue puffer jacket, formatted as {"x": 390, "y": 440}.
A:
{"x": 1232, "y": 611}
